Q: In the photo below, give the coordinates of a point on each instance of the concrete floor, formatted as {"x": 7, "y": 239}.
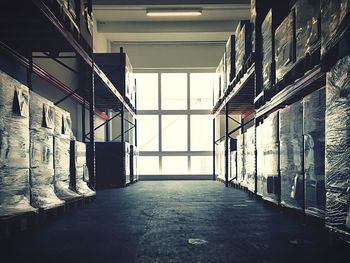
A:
{"x": 173, "y": 221}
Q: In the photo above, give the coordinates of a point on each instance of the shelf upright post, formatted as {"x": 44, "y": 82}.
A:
{"x": 122, "y": 84}
{"x": 91, "y": 151}
{"x": 214, "y": 146}
{"x": 30, "y": 71}
{"x": 83, "y": 124}
{"x": 226, "y": 146}
{"x": 135, "y": 119}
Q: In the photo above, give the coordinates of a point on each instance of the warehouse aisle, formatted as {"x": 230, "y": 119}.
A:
{"x": 173, "y": 221}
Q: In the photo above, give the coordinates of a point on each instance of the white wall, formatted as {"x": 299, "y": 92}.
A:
{"x": 172, "y": 55}
{"x": 100, "y": 42}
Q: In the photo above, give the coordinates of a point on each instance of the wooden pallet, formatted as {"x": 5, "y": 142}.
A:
{"x": 16, "y": 223}
{"x": 74, "y": 203}
{"x": 89, "y": 199}
{"x": 240, "y": 74}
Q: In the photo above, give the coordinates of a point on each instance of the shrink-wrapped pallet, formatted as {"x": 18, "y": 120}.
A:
{"x": 14, "y": 147}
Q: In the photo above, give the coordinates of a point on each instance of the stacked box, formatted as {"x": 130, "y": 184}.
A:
{"x": 334, "y": 22}
{"x": 230, "y": 60}
{"x": 221, "y": 160}
{"x": 216, "y": 86}
{"x": 232, "y": 159}
{"x": 79, "y": 169}
{"x": 314, "y": 106}
{"x": 337, "y": 165}
{"x": 307, "y": 13}
{"x": 270, "y": 168}
{"x": 222, "y": 72}
{"x": 41, "y": 153}
{"x": 268, "y": 53}
{"x": 243, "y": 44}
{"x": 118, "y": 69}
{"x": 258, "y": 10}
{"x": 14, "y": 147}
{"x": 260, "y": 159}
{"x": 133, "y": 163}
{"x": 253, "y": 18}
{"x": 291, "y": 156}
{"x": 250, "y": 158}
{"x": 127, "y": 163}
{"x": 233, "y": 166}
{"x": 62, "y": 139}
{"x": 284, "y": 46}
{"x": 241, "y": 179}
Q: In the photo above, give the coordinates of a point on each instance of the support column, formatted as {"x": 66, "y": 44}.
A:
{"x": 214, "y": 148}
{"x": 226, "y": 146}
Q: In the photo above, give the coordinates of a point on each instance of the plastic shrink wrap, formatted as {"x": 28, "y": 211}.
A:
{"x": 233, "y": 166}
{"x": 63, "y": 136}
{"x": 216, "y": 87}
{"x": 222, "y": 72}
{"x": 80, "y": 168}
{"x": 221, "y": 160}
{"x": 241, "y": 179}
{"x": 260, "y": 159}
{"x": 291, "y": 156}
{"x": 270, "y": 170}
{"x": 338, "y": 147}
{"x": 253, "y": 15}
{"x": 63, "y": 123}
{"x": 307, "y": 13}
{"x": 243, "y": 43}
{"x": 250, "y": 158}
{"x": 314, "y": 106}
{"x": 230, "y": 60}
{"x": 284, "y": 46}
{"x": 267, "y": 52}
{"x": 232, "y": 160}
{"x": 14, "y": 147}
{"x": 334, "y": 22}
{"x": 41, "y": 123}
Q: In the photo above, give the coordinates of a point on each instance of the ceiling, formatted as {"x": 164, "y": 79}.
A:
{"x": 126, "y": 20}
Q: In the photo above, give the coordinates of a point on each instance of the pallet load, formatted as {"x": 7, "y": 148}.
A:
{"x": 134, "y": 154}
{"x": 250, "y": 157}
{"x": 270, "y": 171}
{"x": 241, "y": 179}
{"x": 268, "y": 53}
{"x": 291, "y": 156}
{"x": 41, "y": 153}
{"x": 222, "y": 73}
{"x": 62, "y": 140}
{"x": 284, "y": 46}
{"x": 14, "y": 147}
{"x": 119, "y": 70}
{"x": 307, "y": 27}
{"x": 243, "y": 44}
{"x": 260, "y": 159}
{"x": 79, "y": 170}
{"x": 334, "y": 22}
{"x": 338, "y": 148}
{"x": 232, "y": 167}
{"x": 314, "y": 153}
{"x": 230, "y": 59}
{"x": 112, "y": 164}
{"x": 221, "y": 161}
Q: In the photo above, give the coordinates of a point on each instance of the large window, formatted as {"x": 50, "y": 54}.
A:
{"x": 174, "y": 125}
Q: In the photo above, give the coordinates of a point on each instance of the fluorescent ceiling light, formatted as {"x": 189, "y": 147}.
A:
{"x": 173, "y": 12}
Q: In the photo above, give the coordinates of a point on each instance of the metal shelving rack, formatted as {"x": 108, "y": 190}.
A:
{"x": 240, "y": 100}
{"x": 44, "y": 26}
